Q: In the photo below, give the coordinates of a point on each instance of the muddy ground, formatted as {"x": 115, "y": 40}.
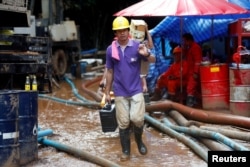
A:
{"x": 80, "y": 127}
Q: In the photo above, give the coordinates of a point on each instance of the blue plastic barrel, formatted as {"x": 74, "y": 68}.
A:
{"x": 9, "y": 135}
{"x": 28, "y": 125}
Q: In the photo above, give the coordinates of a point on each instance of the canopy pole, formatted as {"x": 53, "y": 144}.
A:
{"x": 181, "y": 42}
{"x": 212, "y": 37}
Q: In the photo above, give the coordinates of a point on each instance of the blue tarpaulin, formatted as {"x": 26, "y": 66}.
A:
{"x": 203, "y": 28}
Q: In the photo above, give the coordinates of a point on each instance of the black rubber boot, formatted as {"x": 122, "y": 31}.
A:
{"x": 125, "y": 143}
{"x": 138, "y": 138}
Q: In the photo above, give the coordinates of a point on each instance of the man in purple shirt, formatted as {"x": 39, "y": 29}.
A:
{"x": 123, "y": 62}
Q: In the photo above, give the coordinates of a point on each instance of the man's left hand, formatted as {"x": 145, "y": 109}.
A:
{"x": 143, "y": 50}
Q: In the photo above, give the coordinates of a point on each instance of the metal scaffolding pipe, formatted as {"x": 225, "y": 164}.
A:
{"x": 79, "y": 153}
{"x": 188, "y": 142}
{"x": 207, "y": 134}
{"x": 200, "y": 115}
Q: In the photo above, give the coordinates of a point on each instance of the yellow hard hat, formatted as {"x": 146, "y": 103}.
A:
{"x": 120, "y": 23}
{"x": 177, "y": 50}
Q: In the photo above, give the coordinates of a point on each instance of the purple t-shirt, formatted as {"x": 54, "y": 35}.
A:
{"x": 127, "y": 81}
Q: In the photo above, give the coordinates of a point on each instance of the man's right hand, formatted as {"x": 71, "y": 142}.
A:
{"x": 108, "y": 98}
{"x": 102, "y": 83}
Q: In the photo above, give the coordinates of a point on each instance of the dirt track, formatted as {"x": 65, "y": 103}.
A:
{"x": 80, "y": 127}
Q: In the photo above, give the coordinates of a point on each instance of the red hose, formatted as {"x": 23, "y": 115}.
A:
{"x": 97, "y": 97}
{"x": 201, "y": 115}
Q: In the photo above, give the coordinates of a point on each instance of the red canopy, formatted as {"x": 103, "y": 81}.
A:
{"x": 181, "y": 8}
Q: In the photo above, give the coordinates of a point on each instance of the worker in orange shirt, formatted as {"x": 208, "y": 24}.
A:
{"x": 173, "y": 78}
{"x": 194, "y": 58}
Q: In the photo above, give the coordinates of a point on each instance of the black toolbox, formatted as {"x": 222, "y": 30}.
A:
{"x": 108, "y": 118}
